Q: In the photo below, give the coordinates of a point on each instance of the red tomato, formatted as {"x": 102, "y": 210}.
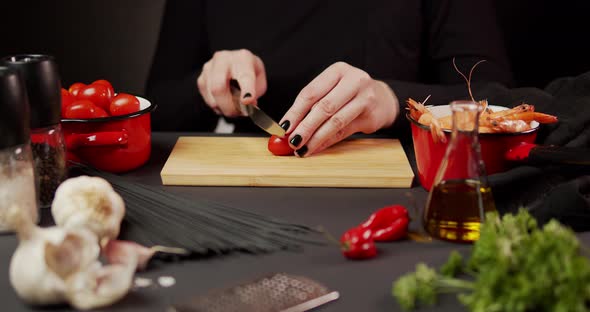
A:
{"x": 279, "y": 146}
{"x": 107, "y": 84}
{"x": 76, "y": 87}
{"x": 98, "y": 94}
{"x": 84, "y": 109}
{"x": 103, "y": 82}
{"x": 124, "y": 104}
{"x": 66, "y": 99}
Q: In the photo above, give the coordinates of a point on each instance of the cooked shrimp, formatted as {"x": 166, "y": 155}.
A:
{"x": 516, "y": 119}
{"x": 517, "y": 109}
{"x": 511, "y": 126}
{"x": 530, "y": 116}
{"x": 424, "y": 116}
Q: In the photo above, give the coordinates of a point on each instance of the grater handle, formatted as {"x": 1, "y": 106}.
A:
{"x": 314, "y": 303}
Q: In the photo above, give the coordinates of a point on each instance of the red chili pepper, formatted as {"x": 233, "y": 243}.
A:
{"x": 357, "y": 243}
{"x": 395, "y": 231}
{"x": 388, "y": 223}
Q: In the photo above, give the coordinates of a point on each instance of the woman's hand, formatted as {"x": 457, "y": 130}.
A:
{"x": 339, "y": 102}
{"x": 240, "y": 65}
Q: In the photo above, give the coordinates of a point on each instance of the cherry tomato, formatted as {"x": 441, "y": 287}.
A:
{"x": 66, "y": 99}
{"x": 124, "y": 104}
{"x": 107, "y": 84}
{"x": 84, "y": 109}
{"x": 279, "y": 146}
{"x": 76, "y": 87}
{"x": 103, "y": 82}
{"x": 98, "y": 94}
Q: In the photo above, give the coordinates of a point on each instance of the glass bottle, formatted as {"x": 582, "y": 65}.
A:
{"x": 460, "y": 195}
{"x": 17, "y": 180}
{"x": 43, "y": 86}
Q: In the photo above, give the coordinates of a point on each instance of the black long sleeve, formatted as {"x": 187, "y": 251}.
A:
{"x": 462, "y": 30}
{"x": 179, "y": 56}
{"x": 406, "y": 43}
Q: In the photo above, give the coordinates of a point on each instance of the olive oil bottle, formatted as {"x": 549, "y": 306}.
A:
{"x": 460, "y": 195}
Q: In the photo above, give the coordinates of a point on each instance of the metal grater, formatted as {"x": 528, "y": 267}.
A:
{"x": 279, "y": 292}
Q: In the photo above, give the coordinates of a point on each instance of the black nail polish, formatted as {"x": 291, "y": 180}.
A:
{"x": 296, "y": 140}
{"x": 247, "y": 95}
{"x": 301, "y": 152}
{"x": 285, "y": 125}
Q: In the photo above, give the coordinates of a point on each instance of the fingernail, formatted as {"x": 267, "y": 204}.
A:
{"x": 285, "y": 125}
{"x": 296, "y": 140}
{"x": 301, "y": 152}
{"x": 247, "y": 95}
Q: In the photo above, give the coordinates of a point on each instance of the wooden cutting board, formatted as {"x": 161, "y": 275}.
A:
{"x": 246, "y": 161}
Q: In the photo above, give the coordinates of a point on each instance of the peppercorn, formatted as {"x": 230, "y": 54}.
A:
{"x": 50, "y": 170}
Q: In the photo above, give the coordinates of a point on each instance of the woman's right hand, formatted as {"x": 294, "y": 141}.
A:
{"x": 241, "y": 65}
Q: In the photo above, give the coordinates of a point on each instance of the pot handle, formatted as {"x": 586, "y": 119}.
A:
{"x": 549, "y": 154}
{"x": 112, "y": 138}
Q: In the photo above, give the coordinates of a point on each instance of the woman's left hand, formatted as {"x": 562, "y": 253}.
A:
{"x": 339, "y": 102}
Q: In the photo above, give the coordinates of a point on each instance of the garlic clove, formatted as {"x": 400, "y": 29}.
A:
{"x": 91, "y": 203}
{"x": 120, "y": 251}
{"x": 30, "y": 277}
{"x": 124, "y": 252}
{"x": 77, "y": 250}
{"x": 99, "y": 286}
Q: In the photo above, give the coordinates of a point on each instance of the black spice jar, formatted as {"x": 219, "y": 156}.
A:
{"x": 17, "y": 180}
{"x": 43, "y": 85}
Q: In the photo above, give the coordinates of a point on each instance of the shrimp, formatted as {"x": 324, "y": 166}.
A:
{"x": 517, "y": 109}
{"x": 446, "y": 122}
{"x": 516, "y": 119}
{"x": 511, "y": 126}
{"x": 424, "y": 116}
{"x": 530, "y": 116}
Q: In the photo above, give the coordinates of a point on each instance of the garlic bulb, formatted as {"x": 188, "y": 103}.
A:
{"x": 45, "y": 256}
{"x": 56, "y": 265}
{"x": 88, "y": 202}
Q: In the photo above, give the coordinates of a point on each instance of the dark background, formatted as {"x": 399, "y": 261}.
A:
{"x": 112, "y": 39}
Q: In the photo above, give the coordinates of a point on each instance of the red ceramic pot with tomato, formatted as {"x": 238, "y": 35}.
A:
{"x": 493, "y": 146}
{"x": 115, "y": 144}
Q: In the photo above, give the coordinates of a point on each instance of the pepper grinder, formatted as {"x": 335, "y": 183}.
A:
{"x": 17, "y": 180}
{"x": 43, "y": 85}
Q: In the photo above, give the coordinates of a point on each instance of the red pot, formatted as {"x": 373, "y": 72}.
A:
{"x": 114, "y": 144}
{"x": 493, "y": 147}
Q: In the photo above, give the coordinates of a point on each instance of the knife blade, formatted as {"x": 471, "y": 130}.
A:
{"x": 260, "y": 118}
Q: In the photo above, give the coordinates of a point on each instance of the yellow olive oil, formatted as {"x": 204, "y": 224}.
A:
{"x": 456, "y": 208}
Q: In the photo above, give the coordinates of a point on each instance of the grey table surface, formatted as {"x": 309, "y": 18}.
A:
{"x": 363, "y": 285}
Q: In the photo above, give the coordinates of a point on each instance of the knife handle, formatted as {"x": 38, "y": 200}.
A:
{"x": 234, "y": 87}
{"x": 559, "y": 155}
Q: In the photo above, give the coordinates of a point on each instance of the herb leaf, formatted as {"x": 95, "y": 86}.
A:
{"x": 516, "y": 266}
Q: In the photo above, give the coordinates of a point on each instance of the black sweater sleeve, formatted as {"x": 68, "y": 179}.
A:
{"x": 463, "y": 29}
{"x": 172, "y": 83}
{"x": 467, "y": 31}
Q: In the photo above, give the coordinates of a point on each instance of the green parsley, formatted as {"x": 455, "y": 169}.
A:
{"x": 514, "y": 266}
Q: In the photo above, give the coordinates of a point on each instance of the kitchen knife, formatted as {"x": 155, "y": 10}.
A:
{"x": 260, "y": 118}
{"x": 549, "y": 154}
